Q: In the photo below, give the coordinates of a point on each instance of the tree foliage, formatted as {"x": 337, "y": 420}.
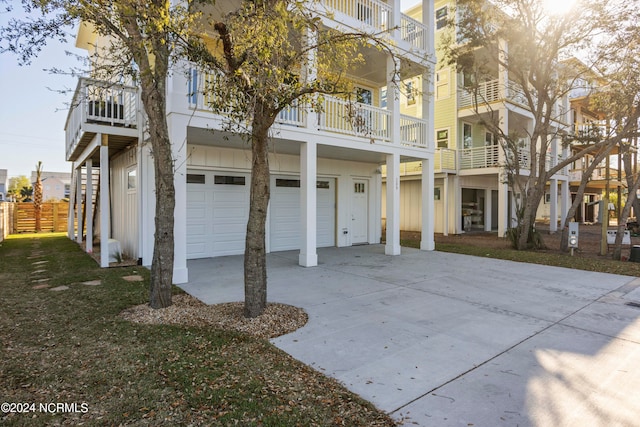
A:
{"x": 267, "y": 56}
{"x": 521, "y": 38}
{"x": 20, "y": 187}
{"x": 136, "y": 42}
{"x": 619, "y": 99}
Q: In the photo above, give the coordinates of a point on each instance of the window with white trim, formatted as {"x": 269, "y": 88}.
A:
{"x": 442, "y": 84}
{"x": 441, "y": 17}
{"x": 442, "y": 138}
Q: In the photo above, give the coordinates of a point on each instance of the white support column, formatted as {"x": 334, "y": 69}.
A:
{"x": 487, "y": 209}
{"x": 72, "y": 201}
{"x": 308, "y": 193}
{"x": 565, "y": 202}
{"x": 553, "y": 205}
{"x": 105, "y": 201}
{"x": 89, "y": 205}
{"x": 503, "y": 209}
{"x": 393, "y": 205}
{"x": 503, "y": 187}
{"x": 147, "y": 194}
{"x": 445, "y": 205}
{"x": 178, "y": 134}
{"x": 79, "y": 205}
{"x": 427, "y": 242}
{"x": 457, "y": 202}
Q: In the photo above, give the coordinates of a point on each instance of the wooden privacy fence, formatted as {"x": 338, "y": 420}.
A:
{"x": 6, "y": 219}
{"x": 53, "y": 217}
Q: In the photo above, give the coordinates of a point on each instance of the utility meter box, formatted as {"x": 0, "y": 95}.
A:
{"x": 573, "y": 234}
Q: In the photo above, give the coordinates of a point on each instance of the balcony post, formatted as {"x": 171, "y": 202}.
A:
{"x": 308, "y": 202}
{"x": 565, "y": 202}
{"x": 105, "y": 201}
{"x": 487, "y": 209}
{"x": 178, "y": 125}
{"x": 309, "y": 73}
{"x": 503, "y": 73}
{"x": 503, "y": 187}
{"x": 393, "y": 101}
{"x": 427, "y": 242}
{"x": 553, "y": 207}
{"x": 72, "y": 199}
{"x": 79, "y": 205}
{"x": 89, "y": 205}
{"x": 393, "y": 205}
{"x": 396, "y": 15}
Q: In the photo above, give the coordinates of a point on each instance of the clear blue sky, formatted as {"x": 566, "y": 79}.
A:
{"x": 33, "y": 114}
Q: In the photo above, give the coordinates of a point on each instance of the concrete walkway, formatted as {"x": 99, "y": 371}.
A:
{"x": 438, "y": 339}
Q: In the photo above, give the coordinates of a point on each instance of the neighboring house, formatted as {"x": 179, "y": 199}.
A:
{"x": 55, "y": 185}
{"x": 586, "y": 120}
{"x": 469, "y": 191}
{"x": 4, "y": 186}
{"x": 342, "y": 208}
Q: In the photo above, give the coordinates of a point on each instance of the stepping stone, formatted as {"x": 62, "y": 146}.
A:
{"x": 46, "y": 279}
{"x": 134, "y": 278}
{"x": 39, "y": 262}
{"x": 34, "y": 256}
{"x": 38, "y": 271}
{"x": 59, "y": 288}
{"x": 43, "y": 286}
{"x": 92, "y": 283}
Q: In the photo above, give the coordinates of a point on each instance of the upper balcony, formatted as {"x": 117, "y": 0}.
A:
{"x": 489, "y": 156}
{"x": 100, "y": 107}
{"x": 492, "y": 91}
{"x": 336, "y": 116}
{"x": 378, "y": 16}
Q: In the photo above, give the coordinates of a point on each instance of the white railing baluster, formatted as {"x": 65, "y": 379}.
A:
{"x": 99, "y": 102}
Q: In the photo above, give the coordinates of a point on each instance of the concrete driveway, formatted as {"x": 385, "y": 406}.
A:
{"x": 438, "y": 339}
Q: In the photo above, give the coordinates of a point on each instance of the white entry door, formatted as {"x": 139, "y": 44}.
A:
{"x": 359, "y": 211}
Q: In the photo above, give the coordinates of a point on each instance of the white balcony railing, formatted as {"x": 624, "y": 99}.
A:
{"x": 101, "y": 103}
{"x": 445, "y": 159}
{"x": 479, "y": 157}
{"x": 591, "y": 130}
{"x": 413, "y": 131}
{"x": 352, "y": 118}
{"x": 336, "y": 116}
{"x": 576, "y": 175}
{"x": 373, "y": 13}
{"x": 486, "y": 92}
{"x": 490, "y": 91}
{"x": 379, "y": 16}
{"x": 413, "y": 32}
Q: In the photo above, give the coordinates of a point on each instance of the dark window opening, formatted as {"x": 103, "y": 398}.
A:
{"x": 195, "y": 178}
{"x": 229, "y": 180}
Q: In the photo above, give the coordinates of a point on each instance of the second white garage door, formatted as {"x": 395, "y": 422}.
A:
{"x": 285, "y": 213}
{"x": 218, "y": 211}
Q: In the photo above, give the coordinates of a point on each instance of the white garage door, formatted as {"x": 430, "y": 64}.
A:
{"x": 217, "y": 213}
{"x": 285, "y": 213}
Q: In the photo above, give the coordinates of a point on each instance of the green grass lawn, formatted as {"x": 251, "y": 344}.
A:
{"x": 604, "y": 265}
{"x": 70, "y": 347}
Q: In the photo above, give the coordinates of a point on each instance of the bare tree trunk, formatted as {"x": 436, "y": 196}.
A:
{"x": 527, "y": 238}
{"x": 255, "y": 257}
{"x": 163, "y": 254}
{"x": 634, "y": 183}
